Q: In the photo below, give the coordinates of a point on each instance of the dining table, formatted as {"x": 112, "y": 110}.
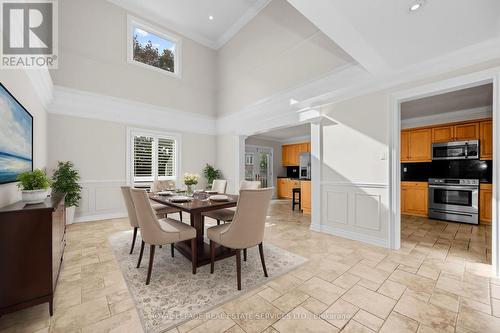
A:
{"x": 198, "y": 204}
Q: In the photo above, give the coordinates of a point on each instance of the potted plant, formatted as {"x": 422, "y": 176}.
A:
{"x": 190, "y": 180}
{"x": 65, "y": 180}
{"x": 211, "y": 174}
{"x": 34, "y": 185}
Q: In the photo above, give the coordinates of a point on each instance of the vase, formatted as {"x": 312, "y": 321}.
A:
{"x": 189, "y": 190}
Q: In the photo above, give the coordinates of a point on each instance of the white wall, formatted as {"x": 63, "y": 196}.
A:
{"x": 98, "y": 150}
{"x": 277, "y": 50}
{"x": 93, "y": 57}
{"x": 20, "y": 86}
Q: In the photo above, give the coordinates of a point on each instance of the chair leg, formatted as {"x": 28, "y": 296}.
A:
{"x": 238, "y": 268}
{"x": 180, "y": 215}
{"x": 212, "y": 256}
{"x": 133, "y": 240}
{"x": 161, "y": 247}
{"x": 172, "y": 249}
{"x": 244, "y": 254}
{"x": 151, "y": 258}
{"x": 140, "y": 255}
{"x": 261, "y": 251}
{"x": 194, "y": 254}
{"x": 218, "y": 222}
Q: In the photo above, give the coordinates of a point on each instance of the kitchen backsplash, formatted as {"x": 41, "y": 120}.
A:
{"x": 466, "y": 169}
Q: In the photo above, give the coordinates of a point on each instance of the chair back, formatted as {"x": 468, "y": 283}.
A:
{"x": 132, "y": 217}
{"x": 219, "y": 185}
{"x": 162, "y": 185}
{"x": 247, "y": 228}
{"x": 249, "y": 185}
{"x": 146, "y": 216}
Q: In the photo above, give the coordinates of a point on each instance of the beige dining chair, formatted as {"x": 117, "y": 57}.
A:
{"x": 156, "y": 231}
{"x": 246, "y": 230}
{"x": 219, "y": 186}
{"x": 163, "y": 210}
{"x": 227, "y": 214}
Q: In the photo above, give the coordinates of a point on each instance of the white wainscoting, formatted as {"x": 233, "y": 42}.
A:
{"x": 358, "y": 211}
{"x": 101, "y": 199}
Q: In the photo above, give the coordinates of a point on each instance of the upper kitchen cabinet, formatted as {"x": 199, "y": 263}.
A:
{"x": 468, "y": 131}
{"x": 416, "y": 145}
{"x": 442, "y": 134}
{"x": 290, "y": 154}
{"x": 486, "y": 137}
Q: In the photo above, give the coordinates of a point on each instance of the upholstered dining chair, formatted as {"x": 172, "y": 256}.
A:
{"x": 156, "y": 231}
{"x": 163, "y": 210}
{"x": 227, "y": 214}
{"x": 246, "y": 230}
{"x": 219, "y": 186}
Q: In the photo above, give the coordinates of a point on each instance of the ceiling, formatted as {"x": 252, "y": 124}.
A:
{"x": 459, "y": 100}
{"x": 284, "y": 134}
{"x": 191, "y": 17}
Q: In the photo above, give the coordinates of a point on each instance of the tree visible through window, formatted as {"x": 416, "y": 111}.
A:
{"x": 154, "y": 50}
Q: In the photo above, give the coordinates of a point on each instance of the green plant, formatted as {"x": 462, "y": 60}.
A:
{"x": 211, "y": 173}
{"x": 65, "y": 180}
{"x": 33, "y": 180}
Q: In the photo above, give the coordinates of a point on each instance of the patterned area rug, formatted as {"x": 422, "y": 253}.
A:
{"x": 174, "y": 295}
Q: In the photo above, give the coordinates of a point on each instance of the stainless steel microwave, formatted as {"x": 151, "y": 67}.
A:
{"x": 456, "y": 150}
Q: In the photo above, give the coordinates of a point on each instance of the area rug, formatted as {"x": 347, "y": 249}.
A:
{"x": 174, "y": 295}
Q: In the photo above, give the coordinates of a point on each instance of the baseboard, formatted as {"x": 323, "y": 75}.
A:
{"x": 97, "y": 217}
{"x": 350, "y": 235}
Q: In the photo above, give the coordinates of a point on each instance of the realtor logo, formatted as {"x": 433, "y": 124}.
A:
{"x": 29, "y": 37}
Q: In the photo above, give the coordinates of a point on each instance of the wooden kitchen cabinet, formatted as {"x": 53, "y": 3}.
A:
{"x": 416, "y": 145}
{"x": 486, "y": 203}
{"x": 305, "y": 193}
{"x": 290, "y": 154}
{"x": 414, "y": 198}
{"x": 442, "y": 134}
{"x": 486, "y": 139}
{"x": 467, "y": 131}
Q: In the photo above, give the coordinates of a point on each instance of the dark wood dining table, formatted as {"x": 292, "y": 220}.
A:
{"x": 199, "y": 204}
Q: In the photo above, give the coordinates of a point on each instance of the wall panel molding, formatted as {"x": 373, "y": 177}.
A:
{"x": 101, "y": 199}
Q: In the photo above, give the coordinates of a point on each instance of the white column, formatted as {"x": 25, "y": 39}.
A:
{"x": 495, "y": 227}
{"x": 316, "y": 162}
{"x": 239, "y": 167}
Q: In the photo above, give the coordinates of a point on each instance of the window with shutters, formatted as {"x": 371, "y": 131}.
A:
{"x": 153, "y": 156}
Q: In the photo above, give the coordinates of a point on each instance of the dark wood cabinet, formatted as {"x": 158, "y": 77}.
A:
{"x": 32, "y": 241}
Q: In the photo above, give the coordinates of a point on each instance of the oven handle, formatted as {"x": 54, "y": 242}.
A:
{"x": 451, "y": 187}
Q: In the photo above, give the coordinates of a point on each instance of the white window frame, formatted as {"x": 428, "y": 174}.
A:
{"x": 133, "y": 22}
{"x": 133, "y": 132}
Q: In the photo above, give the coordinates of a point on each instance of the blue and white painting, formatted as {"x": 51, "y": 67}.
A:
{"x": 16, "y": 131}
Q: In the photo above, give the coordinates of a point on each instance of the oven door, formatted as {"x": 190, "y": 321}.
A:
{"x": 454, "y": 198}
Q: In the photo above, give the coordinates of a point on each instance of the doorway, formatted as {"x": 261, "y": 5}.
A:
{"x": 259, "y": 165}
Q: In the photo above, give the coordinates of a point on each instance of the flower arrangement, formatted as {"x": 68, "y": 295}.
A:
{"x": 191, "y": 178}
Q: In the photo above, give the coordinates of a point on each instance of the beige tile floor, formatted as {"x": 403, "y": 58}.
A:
{"x": 437, "y": 282}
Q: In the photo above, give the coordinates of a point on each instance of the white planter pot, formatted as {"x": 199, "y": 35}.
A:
{"x": 70, "y": 214}
{"x": 34, "y": 196}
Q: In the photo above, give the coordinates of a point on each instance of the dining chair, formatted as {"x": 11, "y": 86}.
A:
{"x": 163, "y": 210}
{"x": 246, "y": 230}
{"x": 160, "y": 232}
{"x": 219, "y": 186}
{"x": 227, "y": 214}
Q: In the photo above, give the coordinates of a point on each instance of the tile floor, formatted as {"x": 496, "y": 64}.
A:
{"x": 437, "y": 282}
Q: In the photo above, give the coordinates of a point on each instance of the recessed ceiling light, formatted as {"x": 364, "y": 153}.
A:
{"x": 416, "y": 5}
{"x": 210, "y": 17}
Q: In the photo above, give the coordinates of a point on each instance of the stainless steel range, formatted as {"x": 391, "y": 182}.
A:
{"x": 454, "y": 199}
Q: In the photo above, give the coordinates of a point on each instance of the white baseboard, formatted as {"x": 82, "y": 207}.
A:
{"x": 350, "y": 235}
{"x": 97, "y": 217}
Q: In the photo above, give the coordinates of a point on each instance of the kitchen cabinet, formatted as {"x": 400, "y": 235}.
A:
{"x": 416, "y": 145}
{"x": 467, "y": 131}
{"x": 285, "y": 187}
{"x": 414, "y": 198}
{"x": 290, "y": 154}
{"x": 442, "y": 134}
{"x": 486, "y": 139}
{"x": 486, "y": 203}
{"x": 305, "y": 194}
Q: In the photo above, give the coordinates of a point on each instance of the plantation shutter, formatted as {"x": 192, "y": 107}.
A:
{"x": 166, "y": 158}
{"x": 143, "y": 158}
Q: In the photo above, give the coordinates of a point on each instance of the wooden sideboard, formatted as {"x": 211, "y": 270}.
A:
{"x": 32, "y": 241}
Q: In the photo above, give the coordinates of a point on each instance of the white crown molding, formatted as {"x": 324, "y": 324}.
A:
{"x": 84, "y": 104}
{"x": 42, "y": 84}
{"x": 448, "y": 117}
{"x": 253, "y": 11}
